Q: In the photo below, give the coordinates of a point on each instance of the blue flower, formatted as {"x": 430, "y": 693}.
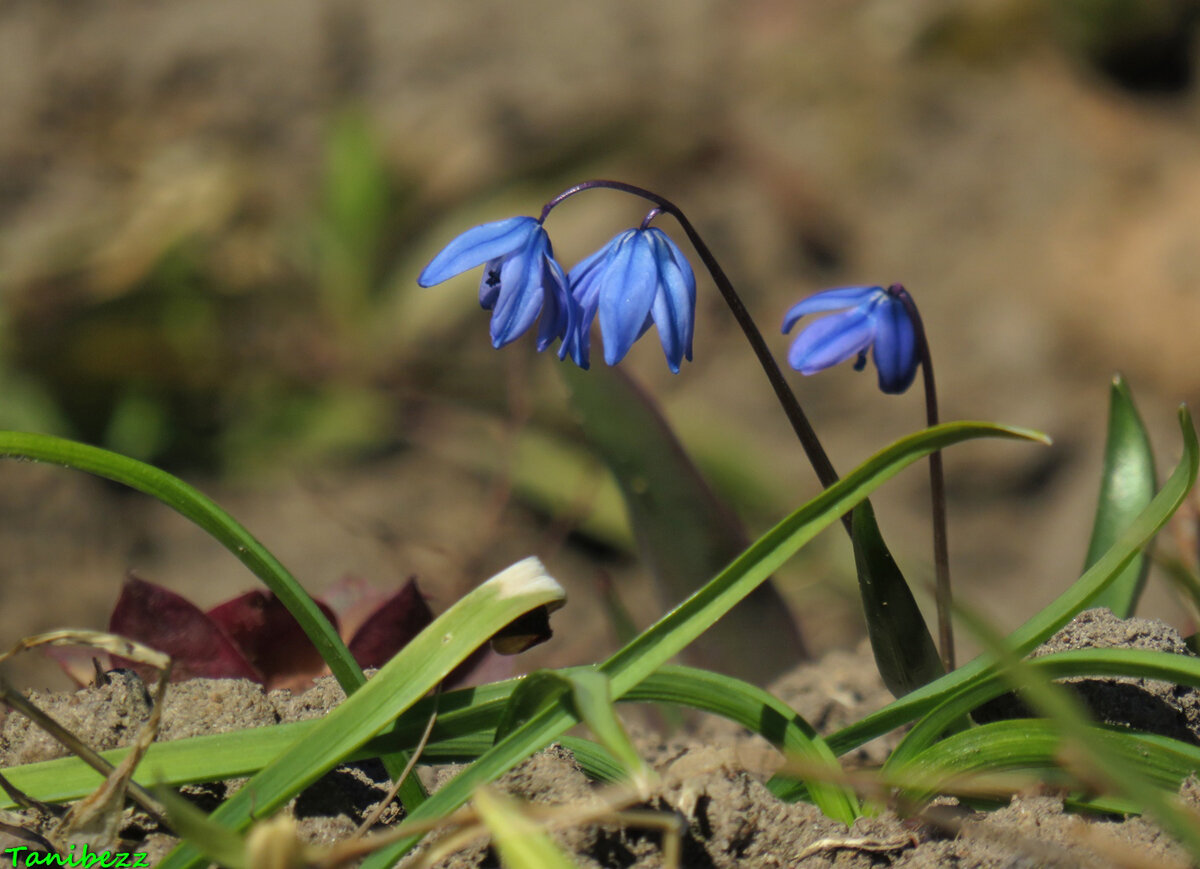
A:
{"x": 520, "y": 280}
{"x": 638, "y": 278}
{"x": 875, "y": 317}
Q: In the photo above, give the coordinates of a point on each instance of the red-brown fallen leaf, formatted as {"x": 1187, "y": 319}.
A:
{"x": 253, "y": 636}
{"x": 353, "y": 598}
{"x": 172, "y": 624}
{"x": 271, "y": 639}
{"x": 391, "y": 626}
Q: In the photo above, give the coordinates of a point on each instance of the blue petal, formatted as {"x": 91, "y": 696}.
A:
{"x": 584, "y": 283}
{"x": 628, "y": 285}
{"x": 558, "y": 308}
{"x": 521, "y": 293}
{"x": 831, "y": 340}
{"x": 829, "y": 300}
{"x": 584, "y": 277}
{"x": 895, "y": 346}
{"x": 674, "y": 307}
{"x": 479, "y": 245}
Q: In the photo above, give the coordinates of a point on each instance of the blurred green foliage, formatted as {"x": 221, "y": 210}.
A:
{"x": 155, "y": 345}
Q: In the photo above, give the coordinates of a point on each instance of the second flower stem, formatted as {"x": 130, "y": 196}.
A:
{"x": 937, "y": 488}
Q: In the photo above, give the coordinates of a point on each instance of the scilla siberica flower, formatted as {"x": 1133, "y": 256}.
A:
{"x": 638, "y": 278}
{"x": 520, "y": 280}
{"x": 875, "y": 317}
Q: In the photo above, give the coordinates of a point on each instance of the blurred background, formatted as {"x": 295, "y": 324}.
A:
{"x": 212, "y": 216}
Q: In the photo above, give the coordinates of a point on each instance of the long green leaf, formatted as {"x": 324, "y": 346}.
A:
{"x": 684, "y": 532}
{"x": 1078, "y": 736}
{"x": 409, "y": 675}
{"x": 1035, "y": 745}
{"x": 1139, "y": 663}
{"x": 203, "y": 511}
{"x": 220, "y": 756}
{"x": 1041, "y": 626}
{"x": 1125, "y": 489}
{"x": 761, "y": 713}
{"x": 465, "y": 728}
{"x": 677, "y": 629}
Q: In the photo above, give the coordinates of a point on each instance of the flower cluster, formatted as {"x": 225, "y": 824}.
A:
{"x": 639, "y": 278}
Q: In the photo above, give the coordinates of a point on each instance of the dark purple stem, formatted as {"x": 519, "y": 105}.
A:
{"x": 787, "y": 399}
{"x": 937, "y": 486}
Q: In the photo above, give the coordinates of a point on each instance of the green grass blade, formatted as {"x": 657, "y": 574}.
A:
{"x": 466, "y": 723}
{"x": 759, "y": 712}
{"x": 1079, "y": 744}
{"x": 203, "y": 511}
{"x": 408, "y": 676}
{"x": 220, "y": 756}
{"x": 220, "y": 844}
{"x": 1126, "y": 487}
{"x": 592, "y": 695}
{"x": 1039, "y": 628}
{"x": 677, "y": 629}
{"x": 1035, "y": 745}
{"x": 1139, "y": 663}
{"x": 592, "y": 698}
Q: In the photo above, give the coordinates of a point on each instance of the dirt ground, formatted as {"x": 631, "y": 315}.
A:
{"x": 712, "y": 775}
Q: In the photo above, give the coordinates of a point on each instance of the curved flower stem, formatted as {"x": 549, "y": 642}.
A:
{"x": 937, "y": 486}
{"x": 787, "y": 399}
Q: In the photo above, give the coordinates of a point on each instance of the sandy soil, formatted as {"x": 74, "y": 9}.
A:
{"x": 712, "y": 775}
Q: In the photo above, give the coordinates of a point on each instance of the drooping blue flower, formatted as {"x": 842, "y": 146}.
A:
{"x": 638, "y": 278}
{"x": 874, "y": 318}
{"x": 521, "y": 279}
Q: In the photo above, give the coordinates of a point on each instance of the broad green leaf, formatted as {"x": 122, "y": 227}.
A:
{"x": 678, "y": 628}
{"x": 685, "y": 533}
{"x": 408, "y": 676}
{"x": 904, "y": 651}
{"x": 522, "y": 842}
{"x": 1126, "y": 487}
